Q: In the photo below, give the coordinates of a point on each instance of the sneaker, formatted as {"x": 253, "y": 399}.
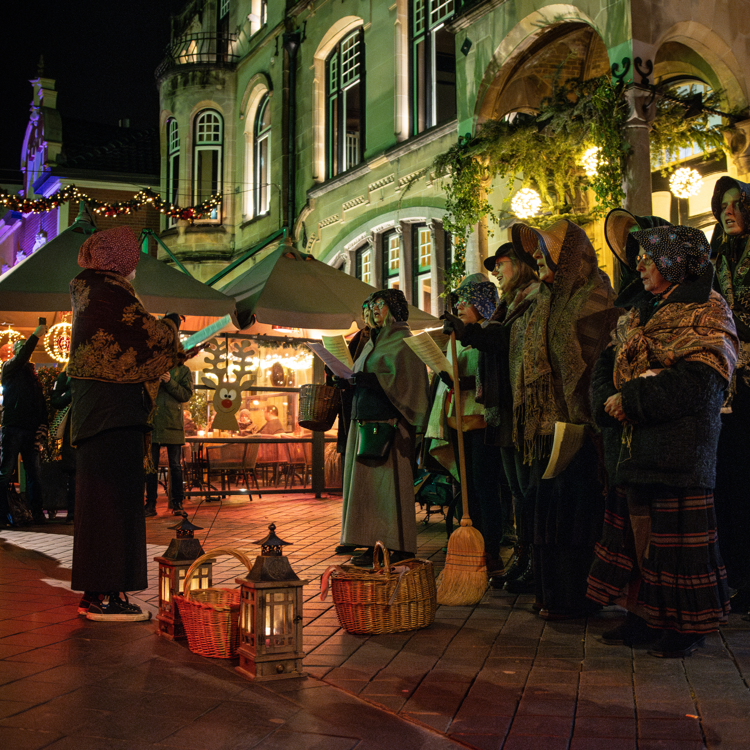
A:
{"x": 85, "y": 603}
{"x": 113, "y": 609}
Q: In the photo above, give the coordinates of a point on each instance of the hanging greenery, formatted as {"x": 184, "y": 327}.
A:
{"x": 545, "y": 151}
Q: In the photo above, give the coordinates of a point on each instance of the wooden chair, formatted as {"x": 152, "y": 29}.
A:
{"x": 297, "y": 465}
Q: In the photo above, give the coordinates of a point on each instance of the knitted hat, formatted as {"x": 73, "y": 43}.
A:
{"x": 396, "y": 302}
{"x": 111, "y": 250}
{"x": 550, "y": 240}
{"x": 477, "y": 290}
{"x": 677, "y": 252}
{"x": 504, "y": 251}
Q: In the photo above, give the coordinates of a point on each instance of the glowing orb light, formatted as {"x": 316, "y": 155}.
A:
{"x": 590, "y": 161}
{"x": 685, "y": 182}
{"x": 8, "y": 338}
{"x": 57, "y": 341}
{"x": 526, "y": 203}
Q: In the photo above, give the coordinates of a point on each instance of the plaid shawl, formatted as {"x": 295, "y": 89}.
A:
{"x": 693, "y": 331}
{"x": 555, "y": 344}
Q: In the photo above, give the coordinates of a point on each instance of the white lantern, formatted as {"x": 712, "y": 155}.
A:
{"x": 685, "y": 182}
{"x": 526, "y": 203}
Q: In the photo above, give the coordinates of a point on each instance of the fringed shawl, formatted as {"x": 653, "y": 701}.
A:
{"x": 554, "y": 346}
{"x": 401, "y": 374}
{"x": 693, "y": 331}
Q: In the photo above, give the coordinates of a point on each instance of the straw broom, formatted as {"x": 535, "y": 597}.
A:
{"x": 464, "y": 578}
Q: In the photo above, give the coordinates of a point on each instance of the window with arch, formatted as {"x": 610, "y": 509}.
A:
{"x": 173, "y": 165}
{"x": 422, "y": 266}
{"x": 391, "y": 259}
{"x": 345, "y": 104}
{"x": 433, "y": 64}
{"x": 261, "y": 158}
{"x": 207, "y": 157}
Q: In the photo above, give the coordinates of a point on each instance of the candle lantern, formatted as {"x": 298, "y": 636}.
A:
{"x": 271, "y": 615}
{"x": 183, "y": 550}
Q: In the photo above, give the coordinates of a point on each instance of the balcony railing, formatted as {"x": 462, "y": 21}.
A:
{"x": 200, "y": 49}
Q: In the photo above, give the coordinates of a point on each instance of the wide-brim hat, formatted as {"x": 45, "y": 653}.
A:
{"x": 505, "y": 250}
{"x": 550, "y": 240}
{"x": 617, "y": 227}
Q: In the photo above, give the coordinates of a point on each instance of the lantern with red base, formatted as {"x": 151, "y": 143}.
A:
{"x": 271, "y": 615}
{"x": 183, "y": 550}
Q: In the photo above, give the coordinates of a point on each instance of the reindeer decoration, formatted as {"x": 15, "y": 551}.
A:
{"x": 227, "y": 397}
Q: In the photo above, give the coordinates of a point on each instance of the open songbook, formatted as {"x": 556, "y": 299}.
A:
{"x": 424, "y": 346}
{"x": 335, "y": 365}
{"x": 567, "y": 441}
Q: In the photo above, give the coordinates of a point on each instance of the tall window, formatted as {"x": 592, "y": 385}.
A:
{"x": 391, "y": 259}
{"x": 433, "y": 64}
{"x": 173, "y": 165}
{"x": 364, "y": 264}
{"x": 345, "y": 96}
{"x": 222, "y": 30}
{"x": 207, "y": 157}
{"x": 422, "y": 260}
{"x": 262, "y": 155}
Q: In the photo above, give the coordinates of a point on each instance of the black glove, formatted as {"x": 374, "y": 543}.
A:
{"x": 366, "y": 379}
{"x": 451, "y": 324}
{"x": 446, "y": 378}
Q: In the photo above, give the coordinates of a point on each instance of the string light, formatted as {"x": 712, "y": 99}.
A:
{"x": 685, "y": 182}
{"x": 12, "y": 337}
{"x": 57, "y": 341}
{"x": 590, "y": 161}
{"x": 143, "y": 198}
{"x": 526, "y": 203}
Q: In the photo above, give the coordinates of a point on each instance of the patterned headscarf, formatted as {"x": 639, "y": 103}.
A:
{"x": 478, "y": 291}
{"x": 111, "y": 250}
{"x": 677, "y": 252}
{"x": 396, "y": 302}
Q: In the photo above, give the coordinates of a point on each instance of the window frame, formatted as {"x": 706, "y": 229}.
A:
{"x": 201, "y": 146}
{"x": 421, "y": 272}
{"x": 262, "y": 168}
{"x": 391, "y": 276}
{"x": 173, "y": 167}
{"x": 364, "y": 263}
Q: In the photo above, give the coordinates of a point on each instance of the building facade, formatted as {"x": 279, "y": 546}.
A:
{"x": 321, "y": 119}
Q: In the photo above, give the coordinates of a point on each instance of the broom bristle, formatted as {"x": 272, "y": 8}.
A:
{"x": 464, "y": 578}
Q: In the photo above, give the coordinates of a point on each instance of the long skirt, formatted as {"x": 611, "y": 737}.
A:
{"x": 109, "y": 546}
{"x": 568, "y": 517}
{"x": 379, "y": 495}
{"x": 659, "y": 557}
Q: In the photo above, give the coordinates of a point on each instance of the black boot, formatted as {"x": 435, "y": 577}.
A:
{"x": 514, "y": 570}
{"x": 176, "y": 507}
{"x": 524, "y": 583}
{"x": 150, "y": 509}
{"x": 635, "y": 631}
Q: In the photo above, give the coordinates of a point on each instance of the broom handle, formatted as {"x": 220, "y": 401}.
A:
{"x": 465, "y": 518}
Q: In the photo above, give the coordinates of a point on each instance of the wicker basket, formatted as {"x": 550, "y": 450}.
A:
{"x": 384, "y": 600}
{"x": 211, "y": 615}
{"x": 318, "y": 406}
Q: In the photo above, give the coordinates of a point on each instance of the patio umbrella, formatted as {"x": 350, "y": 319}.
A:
{"x": 40, "y": 282}
{"x": 290, "y": 289}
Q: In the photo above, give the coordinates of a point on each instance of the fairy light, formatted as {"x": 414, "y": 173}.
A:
{"x": 685, "y": 182}
{"x": 590, "y": 161}
{"x": 9, "y": 337}
{"x": 57, "y": 341}
{"x": 526, "y": 203}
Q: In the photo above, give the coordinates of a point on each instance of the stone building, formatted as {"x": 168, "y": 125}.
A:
{"x": 320, "y": 119}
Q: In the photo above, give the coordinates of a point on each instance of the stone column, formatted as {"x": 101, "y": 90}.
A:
{"x": 637, "y": 178}
{"x": 437, "y": 267}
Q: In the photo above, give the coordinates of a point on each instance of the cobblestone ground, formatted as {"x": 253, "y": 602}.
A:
{"x": 490, "y": 676}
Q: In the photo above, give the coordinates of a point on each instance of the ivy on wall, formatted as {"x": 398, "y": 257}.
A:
{"x": 544, "y": 152}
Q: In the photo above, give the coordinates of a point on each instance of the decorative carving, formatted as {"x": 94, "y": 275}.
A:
{"x": 616, "y": 74}
{"x": 644, "y": 71}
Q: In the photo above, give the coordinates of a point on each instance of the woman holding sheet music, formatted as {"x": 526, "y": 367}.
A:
{"x": 661, "y": 384}
{"x": 389, "y": 407}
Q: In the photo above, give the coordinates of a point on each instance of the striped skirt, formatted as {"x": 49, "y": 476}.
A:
{"x": 659, "y": 549}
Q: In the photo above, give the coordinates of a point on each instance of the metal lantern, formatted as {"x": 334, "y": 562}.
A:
{"x": 183, "y": 550}
{"x": 271, "y": 615}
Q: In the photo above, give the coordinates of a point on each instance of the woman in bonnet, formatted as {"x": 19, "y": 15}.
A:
{"x": 117, "y": 353}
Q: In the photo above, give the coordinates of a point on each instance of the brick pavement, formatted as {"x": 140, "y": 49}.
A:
{"x": 491, "y": 676}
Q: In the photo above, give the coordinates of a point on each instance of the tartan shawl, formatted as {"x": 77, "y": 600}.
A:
{"x": 555, "y": 344}
{"x": 693, "y": 331}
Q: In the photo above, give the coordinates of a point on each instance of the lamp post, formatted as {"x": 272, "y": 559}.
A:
{"x": 173, "y": 565}
{"x": 271, "y": 615}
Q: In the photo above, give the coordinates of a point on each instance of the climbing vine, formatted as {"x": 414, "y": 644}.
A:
{"x": 544, "y": 151}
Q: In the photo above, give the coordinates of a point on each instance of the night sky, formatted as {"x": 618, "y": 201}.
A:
{"x": 102, "y": 56}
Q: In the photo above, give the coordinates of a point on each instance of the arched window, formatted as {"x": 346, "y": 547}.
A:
{"x": 262, "y": 156}
{"x": 345, "y": 104}
{"x": 433, "y": 64}
{"x": 422, "y": 266}
{"x": 173, "y": 165}
{"x": 207, "y": 157}
{"x": 391, "y": 259}
{"x": 363, "y": 258}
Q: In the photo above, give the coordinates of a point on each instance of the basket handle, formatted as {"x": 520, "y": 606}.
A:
{"x": 386, "y": 564}
{"x": 218, "y": 552}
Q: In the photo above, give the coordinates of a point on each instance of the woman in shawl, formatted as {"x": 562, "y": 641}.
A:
{"x": 553, "y": 349}
{"x": 730, "y": 205}
{"x": 476, "y": 299}
{"x": 118, "y": 353}
{"x": 662, "y": 382}
{"x": 390, "y": 386}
